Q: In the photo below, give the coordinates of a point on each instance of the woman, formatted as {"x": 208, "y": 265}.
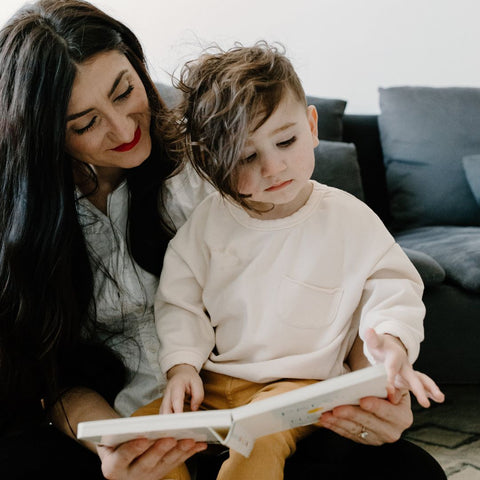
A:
{"x": 87, "y": 208}
{"x": 67, "y": 275}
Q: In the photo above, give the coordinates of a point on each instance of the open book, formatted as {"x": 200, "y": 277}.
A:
{"x": 238, "y": 427}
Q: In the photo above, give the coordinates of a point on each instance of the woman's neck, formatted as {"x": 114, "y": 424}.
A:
{"x": 108, "y": 179}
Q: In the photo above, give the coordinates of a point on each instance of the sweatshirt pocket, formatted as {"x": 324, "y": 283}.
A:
{"x": 303, "y": 305}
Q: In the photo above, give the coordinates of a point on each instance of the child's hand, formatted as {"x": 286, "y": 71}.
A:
{"x": 391, "y": 352}
{"x": 182, "y": 379}
{"x": 429, "y": 387}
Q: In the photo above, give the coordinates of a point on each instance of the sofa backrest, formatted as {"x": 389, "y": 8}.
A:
{"x": 334, "y": 125}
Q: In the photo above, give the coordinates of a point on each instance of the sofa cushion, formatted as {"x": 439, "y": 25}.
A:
{"x": 336, "y": 165}
{"x": 425, "y": 133}
{"x": 429, "y": 269}
{"x": 471, "y": 165}
{"x": 330, "y": 117}
{"x": 456, "y": 249}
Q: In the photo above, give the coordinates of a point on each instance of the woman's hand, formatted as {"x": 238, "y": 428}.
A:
{"x": 146, "y": 459}
{"x": 139, "y": 459}
{"x": 375, "y": 421}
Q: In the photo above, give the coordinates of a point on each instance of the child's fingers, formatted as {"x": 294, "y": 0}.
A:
{"x": 416, "y": 387}
{"x": 433, "y": 391}
{"x": 173, "y": 398}
{"x": 178, "y": 400}
{"x": 167, "y": 405}
{"x": 400, "y": 383}
{"x": 196, "y": 395}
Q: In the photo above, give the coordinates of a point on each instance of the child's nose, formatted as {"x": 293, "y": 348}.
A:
{"x": 272, "y": 164}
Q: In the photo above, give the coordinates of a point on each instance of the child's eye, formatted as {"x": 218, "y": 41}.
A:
{"x": 288, "y": 142}
{"x": 81, "y": 131}
{"x": 125, "y": 94}
{"x": 249, "y": 159}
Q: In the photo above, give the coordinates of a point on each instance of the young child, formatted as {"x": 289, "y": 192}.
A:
{"x": 267, "y": 285}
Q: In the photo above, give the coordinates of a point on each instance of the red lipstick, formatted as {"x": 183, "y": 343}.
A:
{"x": 125, "y": 147}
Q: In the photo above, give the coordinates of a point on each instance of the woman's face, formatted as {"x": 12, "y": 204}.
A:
{"x": 108, "y": 116}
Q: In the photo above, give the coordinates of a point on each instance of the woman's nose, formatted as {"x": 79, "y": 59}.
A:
{"x": 122, "y": 129}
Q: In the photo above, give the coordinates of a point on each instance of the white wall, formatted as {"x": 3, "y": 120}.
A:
{"x": 340, "y": 48}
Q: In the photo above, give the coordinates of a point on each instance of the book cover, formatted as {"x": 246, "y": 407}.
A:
{"x": 238, "y": 427}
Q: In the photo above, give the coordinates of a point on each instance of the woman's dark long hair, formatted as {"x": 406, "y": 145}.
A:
{"x": 46, "y": 282}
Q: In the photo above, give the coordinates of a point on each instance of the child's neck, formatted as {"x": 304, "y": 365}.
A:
{"x": 272, "y": 211}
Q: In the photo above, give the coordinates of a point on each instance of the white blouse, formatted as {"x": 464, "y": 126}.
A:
{"x": 125, "y": 306}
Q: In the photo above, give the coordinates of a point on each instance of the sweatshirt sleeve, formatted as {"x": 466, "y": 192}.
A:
{"x": 183, "y": 326}
{"x": 392, "y": 301}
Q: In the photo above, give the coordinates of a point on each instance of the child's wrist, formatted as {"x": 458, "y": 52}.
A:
{"x": 180, "y": 368}
{"x": 398, "y": 341}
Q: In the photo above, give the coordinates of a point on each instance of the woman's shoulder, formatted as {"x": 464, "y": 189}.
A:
{"x": 183, "y": 192}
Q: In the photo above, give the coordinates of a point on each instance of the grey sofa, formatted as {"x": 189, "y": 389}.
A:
{"x": 417, "y": 165}
{"x": 418, "y": 168}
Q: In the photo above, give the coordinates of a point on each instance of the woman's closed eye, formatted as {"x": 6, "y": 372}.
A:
{"x": 125, "y": 94}
{"x": 287, "y": 143}
{"x": 81, "y": 131}
{"x": 122, "y": 96}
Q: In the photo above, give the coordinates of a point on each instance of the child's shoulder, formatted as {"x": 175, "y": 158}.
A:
{"x": 351, "y": 215}
{"x": 337, "y": 197}
{"x": 344, "y": 205}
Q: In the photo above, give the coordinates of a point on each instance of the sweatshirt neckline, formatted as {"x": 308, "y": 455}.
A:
{"x": 243, "y": 218}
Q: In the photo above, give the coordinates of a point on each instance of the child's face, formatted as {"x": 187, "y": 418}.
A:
{"x": 278, "y": 160}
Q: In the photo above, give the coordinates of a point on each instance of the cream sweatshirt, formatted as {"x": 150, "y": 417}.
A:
{"x": 285, "y": 298}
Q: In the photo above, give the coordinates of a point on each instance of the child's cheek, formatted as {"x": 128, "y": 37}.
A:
{"x": 245, "y": 183}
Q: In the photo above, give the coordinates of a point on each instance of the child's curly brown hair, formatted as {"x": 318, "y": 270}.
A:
{"x": 226, "y": 96}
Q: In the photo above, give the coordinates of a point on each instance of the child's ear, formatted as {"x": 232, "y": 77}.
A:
{"x": 312, "y": 116}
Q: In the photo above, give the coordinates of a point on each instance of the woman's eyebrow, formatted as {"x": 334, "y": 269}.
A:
{"x": 73, "y": 116}
{"x": 77, "y": 115}
{"x": 117, "y": 81}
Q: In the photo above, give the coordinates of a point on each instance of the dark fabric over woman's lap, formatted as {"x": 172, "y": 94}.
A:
{"x": 325, "y": 454}
{"x": 45, "y": 452}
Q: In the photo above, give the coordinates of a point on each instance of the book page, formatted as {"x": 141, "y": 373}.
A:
{"x": 199, "y": 434}
{"x": 205, "y": 426}
{"x": 305, "y": 405}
